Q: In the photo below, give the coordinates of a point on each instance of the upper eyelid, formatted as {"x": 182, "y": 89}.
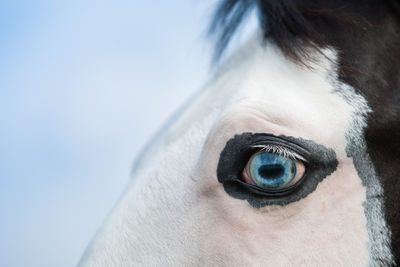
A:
{"x": 281, "y": 150}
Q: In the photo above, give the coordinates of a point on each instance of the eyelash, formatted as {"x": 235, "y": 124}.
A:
{"x": 280, "y": 150}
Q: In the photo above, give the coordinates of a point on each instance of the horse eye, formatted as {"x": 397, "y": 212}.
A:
{"x": 272, "y": 172}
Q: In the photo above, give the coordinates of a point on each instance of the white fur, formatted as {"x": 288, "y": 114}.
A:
{"x": 176, "y": 213}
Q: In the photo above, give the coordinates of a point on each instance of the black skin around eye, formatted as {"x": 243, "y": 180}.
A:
{"x": 321, "y": 162}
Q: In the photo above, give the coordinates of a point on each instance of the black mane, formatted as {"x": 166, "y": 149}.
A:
{"x": 293, "y": 25}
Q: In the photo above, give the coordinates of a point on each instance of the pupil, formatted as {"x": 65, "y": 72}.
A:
{"x": 271, "y": 171}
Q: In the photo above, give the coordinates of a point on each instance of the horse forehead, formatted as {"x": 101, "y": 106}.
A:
{"x": 269, "y": 93}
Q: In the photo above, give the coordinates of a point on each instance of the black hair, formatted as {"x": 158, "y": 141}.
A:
{"x": 294, "y": 25}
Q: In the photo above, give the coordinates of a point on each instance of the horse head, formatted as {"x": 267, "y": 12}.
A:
{"x": 288, "y": 157}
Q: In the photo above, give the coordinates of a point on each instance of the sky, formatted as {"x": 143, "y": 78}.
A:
{"x": 83, "y": 86}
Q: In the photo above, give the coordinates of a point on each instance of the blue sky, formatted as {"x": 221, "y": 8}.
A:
{"x": 83, "y": 84}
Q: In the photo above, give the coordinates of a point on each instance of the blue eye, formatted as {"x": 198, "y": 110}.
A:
{"x": 272, "y": 171}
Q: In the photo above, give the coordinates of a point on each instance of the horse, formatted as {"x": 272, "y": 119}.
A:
{"x": 288, "y": 157}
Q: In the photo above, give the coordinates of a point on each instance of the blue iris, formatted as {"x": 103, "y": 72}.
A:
{"x": 271, "y": 171}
